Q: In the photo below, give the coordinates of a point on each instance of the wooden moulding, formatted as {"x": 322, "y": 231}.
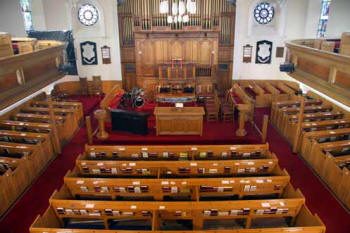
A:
{"x": 325, "y": 71}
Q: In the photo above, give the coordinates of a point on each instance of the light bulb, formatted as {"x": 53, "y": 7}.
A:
{"x": 170, "y": 19}
{"x": 174, "y": 8}
{"x": 164, "y": 7}
{"x": 185, "y": 18}
{"x": 193, "y": 7}
{"x": 182, "y": 8}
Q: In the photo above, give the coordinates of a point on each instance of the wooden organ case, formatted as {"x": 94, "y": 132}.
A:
{"x": 148, "y": 43}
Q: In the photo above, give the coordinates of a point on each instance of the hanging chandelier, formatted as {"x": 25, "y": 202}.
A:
{"x": 180, "y": 10}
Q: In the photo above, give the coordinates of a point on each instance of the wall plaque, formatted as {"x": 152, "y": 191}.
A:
{"x": 88, "y": 53}
{"x": 106, "y": 54}
{"x": 263, "y": 52}
{"x": 279, "y": 51}
{"x": 247, "y": 53}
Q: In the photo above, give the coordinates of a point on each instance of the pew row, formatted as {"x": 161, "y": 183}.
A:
{"x": 328, "y": 153}
{"x": 287, "y": 213}
{"x": 175, "y": 152}
{"x": 19, "y": 166}
{"x": 278, "y": 105}
{"x": 162, "y": 189}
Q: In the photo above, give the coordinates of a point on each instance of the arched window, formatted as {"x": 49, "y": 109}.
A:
{"x": 27, "y": 15}
{"x": 322, "y": 25}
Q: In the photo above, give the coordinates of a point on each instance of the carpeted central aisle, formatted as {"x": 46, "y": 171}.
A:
{"x": 318, "y": 198}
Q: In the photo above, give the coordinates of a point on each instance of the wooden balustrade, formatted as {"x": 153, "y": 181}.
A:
{"x": 327, "y": 72}
{"x": 24, "y": 74}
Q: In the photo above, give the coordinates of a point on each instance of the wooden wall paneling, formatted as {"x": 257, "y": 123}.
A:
{"x": 343, "y": 79}
{"x": 129, "y": 76}
{"x": 316, "y": 69}
{"x": 176, "y": 48}
{"x": 198, "y": 42}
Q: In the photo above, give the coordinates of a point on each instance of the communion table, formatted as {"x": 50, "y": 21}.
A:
{"x": 179, "y": 121}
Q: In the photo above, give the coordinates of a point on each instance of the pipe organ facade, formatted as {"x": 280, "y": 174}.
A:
{"x": 148, "y": 40}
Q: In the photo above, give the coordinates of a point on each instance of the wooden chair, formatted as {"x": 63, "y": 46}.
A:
{"x": 84, "y": 89}
{"x": 212, "y": 108}
{"x": 227, "y": 111}
{"x": 96, "y": 86}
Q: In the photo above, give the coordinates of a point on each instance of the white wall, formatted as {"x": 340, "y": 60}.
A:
{"x": 62, "y": 15}
{"x": 289, "y": 23}
{"x": 57, "y": 15}
{"x": 313, "y": 18}
{"x": 108, "y": 36}
{"x": 38, "y": 16}
{"x": 11, "y": 19}
{"x": 339, "y": 21}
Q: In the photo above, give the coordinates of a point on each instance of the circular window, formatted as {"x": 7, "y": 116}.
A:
{"x": 88, "y": 14}
{"x": 263, "y": 13}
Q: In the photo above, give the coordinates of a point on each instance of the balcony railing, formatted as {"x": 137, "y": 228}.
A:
{"x": 26, "y": 73}
{"x": 326, "y": 71}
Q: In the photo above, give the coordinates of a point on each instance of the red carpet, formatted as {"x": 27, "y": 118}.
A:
{"x": 213, "y": 133}
{"x": 319, "y": 200}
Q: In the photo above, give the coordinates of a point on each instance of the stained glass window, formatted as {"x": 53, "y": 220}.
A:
{"x": 27, "y": 14}
{"x": 322, "y": 25}
{"x": 88, "y": 14}
{"x": 263, "y": 13}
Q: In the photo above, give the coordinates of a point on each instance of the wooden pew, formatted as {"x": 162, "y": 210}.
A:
{"x": 318, "y": 130}
{"x": 278, "y": 105}
{"x": 24, "y": 159}
{"x": 13, "y": 180}
{"x": 64, "y": 127}
{"x": 286, "y": 89}
{"x": 30, "y": 127}
{"x": 289, "y": 128}
{"x": 284, "y": 93}
{"x": 285, "y": 113}
{"x": 159, "y": 188}
{"x": 76, "y": 106}
{"x": 153, "y": 187}
{"x": 252, "y": 212}
{"x": 68, "y": 114}
{"x": 30, "y": 138}
{"x": 175, "y": 152}
{"x": 288, "y": 121}
{"x": 326, "y": 159}
{"x": 34, "y": 152}
{"x": 338, "y": 177}
{"x": 289, "y": 204}
{"x": 192, "y": 168}
{"x": 261, "y": 96}
{"x": 319, "y": 150}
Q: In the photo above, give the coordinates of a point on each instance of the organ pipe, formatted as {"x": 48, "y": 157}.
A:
{"x": 144, "y": 14}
